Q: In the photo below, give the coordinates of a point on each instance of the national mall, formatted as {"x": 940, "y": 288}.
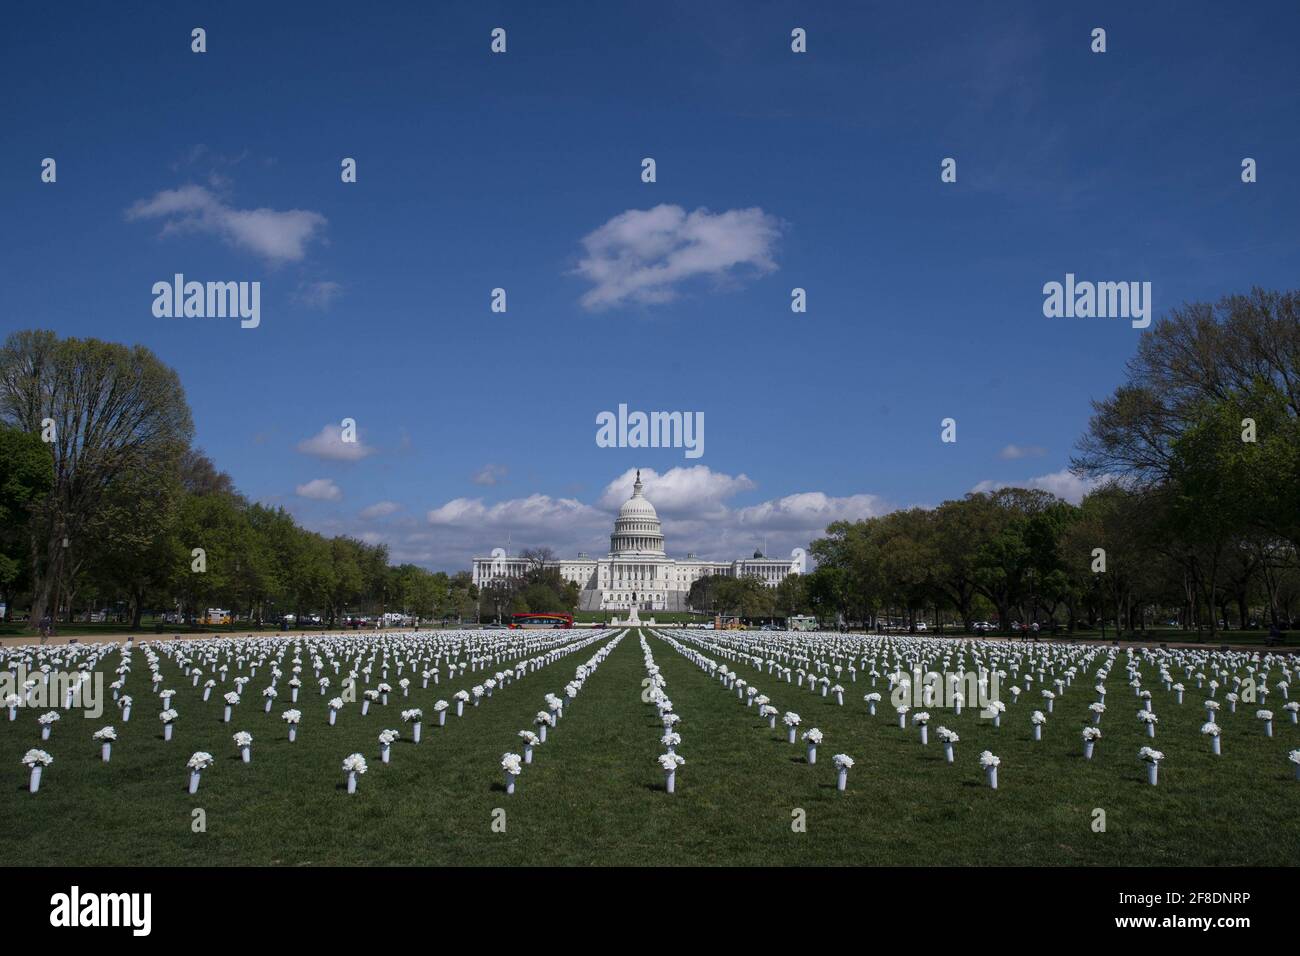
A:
{"x": 637, "y": 572}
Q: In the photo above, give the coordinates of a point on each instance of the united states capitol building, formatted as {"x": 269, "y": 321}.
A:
{"x": 637, "y": 572}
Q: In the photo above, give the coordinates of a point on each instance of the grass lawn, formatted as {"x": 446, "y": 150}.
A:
{"x": 594, "y": 794}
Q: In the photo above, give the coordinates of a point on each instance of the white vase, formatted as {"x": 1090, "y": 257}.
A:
{"x": 992, "y": 773}
{"x": 902, "y": 721}
{"x": 1147, "y": 705}
{"x": 167, "y": 731}
{"x": 812, "y": 753}
{"x": 45, "y": 731}
{"x": 442, "y": 718}
{"x": 365, "y": 707}
{"x": 925, "y": 735}
{"x": 1151, "y": 729}
{"x": 383, "y": 752}
{"x": 1049, "y": 705}
{"x": 126, "y": 714}
{"x": 1268, "y": 728}
{"x": 106, "y": 751}
{"x": 35, "y": 783}
{"x": 670, "y": 781}
{"x": 842, "y": 780}
{"x": 13, "y": 713}
{"x": 1087, "y": 749}
{"x": 956, "y": 706}
{"x": 528, "y": 753}
{"x": 293, "y": 732}
{"x": 1178, "y": 695}
{"x": 268, "y": 705}
{"x": 207, "y": 692}
{"x": 1038, "y": 731}
{"x": 791, "y": 735}
{"x": 246, "y": 754}
{"x": 1153, "y": 772}
{"x": 1216, "y": 747}
{"x": 510, "y": 783}
{"x": 541, "y": 733}
{"x": 771, "y": 721}
{"x": 333, "y": 716}
{"x": 194, "y": 781}
{"x": 226, "y": 717}
{"x": 460, "y": 708}
{"x": 415, "y": 731}
{"x": 947, "y": 752}
{"x": 871, "y": 708}
{"x": 352, "y": 781}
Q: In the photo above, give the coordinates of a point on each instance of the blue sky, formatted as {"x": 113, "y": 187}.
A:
{"x": 477, "y": 171}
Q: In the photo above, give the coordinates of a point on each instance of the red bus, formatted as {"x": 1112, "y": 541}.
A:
{"x": 541, "y": 620}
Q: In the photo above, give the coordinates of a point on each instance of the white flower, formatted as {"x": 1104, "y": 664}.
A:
{"x": 201, "y": 760}
{"x": 791, "y": 719}
{"x": 1148, "y": 717}
{"x": 354, "y": 763}
{"x": 413, "y": 715}
{"x": 997, "y": 706}
{"x": 1048, "y": 695}
{"x": 767, "y": 710}
{"x": 842, "y": 761}
{"x": 671, "y": 762}
{"x": 440, "y": 706}
{"x": 1264, "y": 714}
{"x": 47, "y": 718}
{"x": 461, "y": 695}
{"x": 988, "y": 760}
{"x": 902, "y": 708}
{"x": 1294, "y": 756}
{"x": 167, "y": 716}
{"x": 105, "y": 733}
{"x": 270, "y": 692}
{"x": 243, "y": 739}
{"x": 1097, "y": 708}
{"x": 530, "y": 738}
{"x": 1150, "y": 756}
{"x": 13, "y": 700}
{"x": 1211, "y": 705}
{"x": 1210, "y": 728}
{"x": 670, "y": 739}
{"x": 813, "y": 736}
{"x": 1091, "y": 733}
{"x": 386, "y": 737}
{"x": 34, "y": 757}
{"x": 1038, "y": 717}
{"x": 232, "y": 698}
{"x": 512, "y": 764}
{"x": 921, "y": 717}
{"x": 336, "y": 703}
{"x": 545, "y": 718}
{"x": 946, "y": 735}
{"x": 872, "y": 698}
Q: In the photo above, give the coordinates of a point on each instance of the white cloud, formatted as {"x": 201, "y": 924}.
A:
{"x": 489, "y": 474}
{"x": 380, "y": 509}
{"x": 691, "y": 503}
{"x": 318, "y": 295}
{"x": 536, "y": 512}
{"x": 1015, "y": 452}
{"x": 681, "y": 492}
{"x": 275, "y": 235}
{"x": 642, "y": 255}
{"x": 319, "y": 489}
{"x": 328, "y": 443}
{"x": 1060, "y": 483}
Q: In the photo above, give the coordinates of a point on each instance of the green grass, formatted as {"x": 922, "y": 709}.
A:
{"x": 594, "y": 794}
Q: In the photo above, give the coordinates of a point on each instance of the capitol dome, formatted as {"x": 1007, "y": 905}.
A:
{"x": 637, "y": 529}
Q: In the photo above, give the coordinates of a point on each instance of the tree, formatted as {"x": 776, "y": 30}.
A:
{"x": 113, "y": 409}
